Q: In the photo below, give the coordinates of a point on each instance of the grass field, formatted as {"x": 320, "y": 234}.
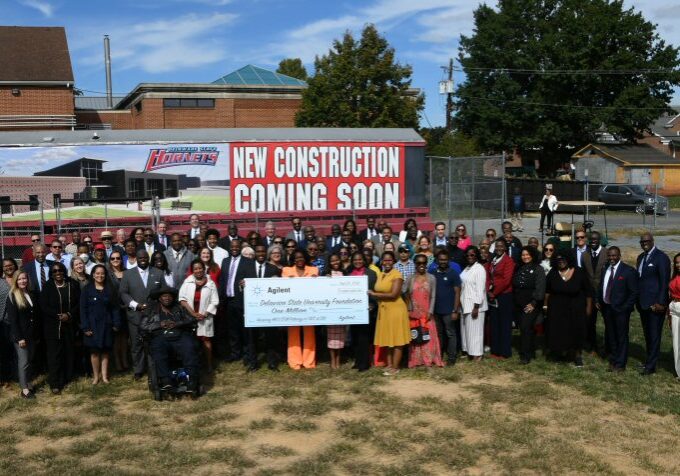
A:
{"x": 203, "y": 203}
{"x": 81, "y": 212}
{"x": 487, "y": 418}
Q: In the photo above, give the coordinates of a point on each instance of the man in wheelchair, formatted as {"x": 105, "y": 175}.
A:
{"x": 170, "y": 333}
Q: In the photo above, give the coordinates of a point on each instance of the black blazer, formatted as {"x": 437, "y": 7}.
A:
{"x": 270, "y": 271}
{"x": 23, "y": 323}
{"x": 49, "y": 307}
{"x": 156, "y": 247}
{"x": 241, "y": 271}
{"x": 624, "y": 290}
{"x": 33, "y": 276}
{"x": 363, "y": 234}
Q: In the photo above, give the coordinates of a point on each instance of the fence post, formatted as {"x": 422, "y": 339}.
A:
{"x": 42, "y": 220}
{"x": 106, "y": 216}
{"x": 504, "y": 198}
{"x": 656, "y": 204}
{"x": 474, "y": 170}
{"x": 448, "y": 195}
{"x": 2, "y": 234}
{"x": 57, "y": 213}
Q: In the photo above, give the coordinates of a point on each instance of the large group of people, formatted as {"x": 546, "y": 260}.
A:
{"x": 74, "y": 306}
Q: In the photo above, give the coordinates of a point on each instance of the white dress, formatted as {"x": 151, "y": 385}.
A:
{"x": 207, "y": 306}
{"x": 473, "y": 291}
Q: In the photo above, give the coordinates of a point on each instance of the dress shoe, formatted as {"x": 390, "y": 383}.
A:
{"x": 273, "y": 367}
{"x": 28, "y": 396}
{"x": 56, "y": 391}
{"x": 647, "y": 371}
{"x": 524, "y": 361}
{"x": 138, "y": 377}
{"x": 578, "y": 362}
{"x": 252, "y": 368}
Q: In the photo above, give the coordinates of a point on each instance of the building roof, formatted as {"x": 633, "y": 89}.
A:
{"x": 96, "y": 103}
{"x": 661, "y": 126}
{"x": 252, "y": 75}
{"x": 193, "y": 136}
{"x": 34, "y": 54}
{"x": 628, "y": 155}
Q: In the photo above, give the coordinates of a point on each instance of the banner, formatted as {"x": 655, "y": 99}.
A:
{"x": 303, "y": 176}
{"x": 322, "y": 301}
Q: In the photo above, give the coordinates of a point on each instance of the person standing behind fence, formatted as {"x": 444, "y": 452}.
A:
{"x": 653, "y": 268}
{"x": 517, "y": 210}
{"x": 547, "y": 207}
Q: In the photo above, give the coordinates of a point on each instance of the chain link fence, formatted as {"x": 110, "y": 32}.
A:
{"x": 467, "y": 189}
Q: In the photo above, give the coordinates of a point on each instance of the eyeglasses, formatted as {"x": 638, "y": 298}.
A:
{"x": 453, "y": 237}
{"x": 148, "y": 234}
{"x": 424, "y": 263}
{"x": 35, "y": 240}
{"x": 277, "y": 242}
{"x": 106, "y": 238}
{"x": 290, "y": 247}
{"x": 57, "y": 247}
{"x": 580, "y": 237}
{"x": 460, "y": 229}
{"x": 113, "y": 258}
{"x": 403, "y": 251}
{"x": 490, "y": 234}
{"x": 87, "y": 242}
{"x": 550, "y": 249}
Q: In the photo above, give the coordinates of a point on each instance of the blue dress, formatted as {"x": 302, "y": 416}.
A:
{"x": 99, "y": 313}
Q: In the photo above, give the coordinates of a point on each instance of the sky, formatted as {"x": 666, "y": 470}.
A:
{"x": 202, "y": 40}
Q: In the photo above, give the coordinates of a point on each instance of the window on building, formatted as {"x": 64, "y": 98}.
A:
{"x": 56, "y": 199}
{"x": 189, "y": 102}
{"x": 136, "y": 188}
{"x": 155, "y": 188}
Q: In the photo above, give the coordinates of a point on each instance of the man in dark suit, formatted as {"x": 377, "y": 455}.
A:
{"x": 370, "y": 230}
{"x": 513, "y": 244}
{"x": 136, "y": 286}
{"x": 260, "y": 268}
{"x": 654, "y": 271}
{"x": 297, "y": 233}
{"x": 38, "y": 269}
{"x": 269, "y": 234}
{"x": 231, "y": 294}
{"x": 383, "y": 238}
{"x": 179, "y": 259}
{"x": 232, "y": 234}
{"x": 594, "y": 261}
{"x": 150, "y": 244}
{"x": 335, "y": 238}
{"x": 195, "y": 222}
{"x": 162, "y": 234}
{"x": 616, "y": 297}
{"x": 345, "y": 241}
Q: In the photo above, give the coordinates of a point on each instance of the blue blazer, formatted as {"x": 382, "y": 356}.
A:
{"x": 653, "y": 283}
{"x": 624, "y": 290}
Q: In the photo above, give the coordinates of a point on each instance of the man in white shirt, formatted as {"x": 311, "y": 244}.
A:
{"x": 212, "y": 236}
{"x": 161, "y": 235}
{"x": 195, "y": 223}
{"x": 57, "y": 254}
{"x": 581, "y": 247}
{"x": 297, "y": 233}
{"x": 269, "y": 233}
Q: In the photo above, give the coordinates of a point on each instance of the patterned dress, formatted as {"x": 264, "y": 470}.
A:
{"x": 336, "y": 334}
{"x": 426, "y": 353}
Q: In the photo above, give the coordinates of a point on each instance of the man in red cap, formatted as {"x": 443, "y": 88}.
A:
{"x": 99, "y": 255}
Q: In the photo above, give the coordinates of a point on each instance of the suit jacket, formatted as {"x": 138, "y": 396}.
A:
{"x": 33, "y": 276}
{"x": 379, "y": 244}
{"x": 225, "y": 242}
{"x": 653, "y": 282}
{"x": 132, "y": 289}
{"x": 241, "y": 272}
{"x": 329, "y": 242}
{"x": 291, "y": 235}
{"x": 189, "y": 231}
{"x": 594, "y": 270}
{"x": 163, "y": 240}
{"x": 270, "y": 271}
{"x": 363, "y": 234}
{"x": 624, "y": 292}
{"x": 156, "y": 247}
{"x": 23, "y": 323}
{"x": 181, "y": 268}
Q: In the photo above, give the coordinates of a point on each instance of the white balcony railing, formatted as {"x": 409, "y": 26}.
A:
{"x": 36, "y": 121}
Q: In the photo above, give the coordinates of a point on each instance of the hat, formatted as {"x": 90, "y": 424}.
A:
{"x": 402, "y": 248}
{"x": 165, "y": 289}
{"x": 106, "y": 234}
{"x": 99, "y": 246}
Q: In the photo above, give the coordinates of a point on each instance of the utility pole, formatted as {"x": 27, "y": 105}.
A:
{"x": 446, "y": 87}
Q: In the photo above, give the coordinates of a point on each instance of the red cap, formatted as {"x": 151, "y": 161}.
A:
{"x": 99, "y": 246}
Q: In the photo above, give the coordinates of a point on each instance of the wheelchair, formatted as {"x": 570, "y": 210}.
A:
{"x": 181, "y": 381}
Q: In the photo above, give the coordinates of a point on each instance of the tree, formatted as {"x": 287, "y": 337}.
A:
{"x": 532, "y": 80}
{"x": 293, "y": 67}
{"x": 359, "y": 84}
{"x": 442, "y": 143}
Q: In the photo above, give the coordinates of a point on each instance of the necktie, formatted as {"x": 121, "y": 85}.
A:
{"x": 297, "y": 236}
{"x": 259, "y": 273}
{"x": 43, "y": 277}
{"x": 142, "y": 274}
{"x": 594, "y": 254}
{"x": 230, "y": 281}
{"x": 610, "y": 284}
{"x": 177, "y": 256}
{"x": 643, "y": 262}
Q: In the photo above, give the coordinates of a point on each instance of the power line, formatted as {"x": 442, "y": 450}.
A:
{"x": 601, "y": 72}
{"x": 576, "y": 106}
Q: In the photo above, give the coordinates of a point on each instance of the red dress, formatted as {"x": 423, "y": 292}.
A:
{"x": 427, "y": 353}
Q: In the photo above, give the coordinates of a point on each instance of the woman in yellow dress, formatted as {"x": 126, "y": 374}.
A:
{"x": 392, "y": 329}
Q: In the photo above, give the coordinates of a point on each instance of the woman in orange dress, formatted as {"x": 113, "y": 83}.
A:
{"x": 301, "y": 352}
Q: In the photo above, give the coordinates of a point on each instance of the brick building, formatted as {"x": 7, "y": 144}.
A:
{"x": 44, "y": 189}
{"x": 248, "y": 97}
{"x": 37, "y": 92}
{"x": 36, "y": 79}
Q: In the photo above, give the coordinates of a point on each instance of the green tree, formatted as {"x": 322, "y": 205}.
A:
{"x": 443, "y": 143}
{"x": 532, "y": 81}
{"x": 292, "y": 67}
{"x": 359, "y": 84}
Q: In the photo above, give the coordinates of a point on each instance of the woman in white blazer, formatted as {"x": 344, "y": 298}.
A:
{"x": 547, "y": 207}
{"x": 473, "y": 305}
{"x": 198, "y": 296}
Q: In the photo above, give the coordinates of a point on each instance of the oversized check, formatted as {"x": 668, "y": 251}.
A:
{"x": 321, "y": 301}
